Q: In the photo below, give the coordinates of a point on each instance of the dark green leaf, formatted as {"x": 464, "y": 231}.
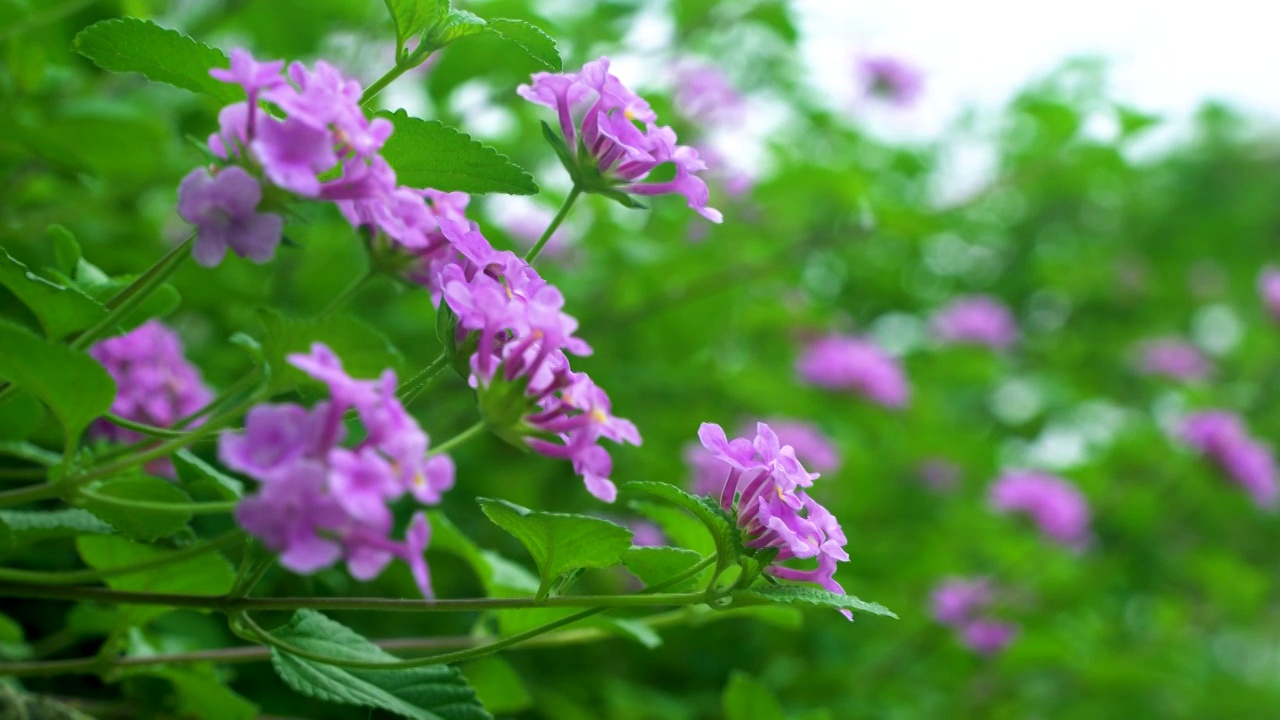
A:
{"x": 657, "y": 564}
{"x": 199, "y": 477}
{"x": 66, "y": 251}
{"x": 159, "y": 54}
{"x": 559, "y": 542}
{"x": 60, "y": 310}
{"x": 498, "y": 685}
{"x": 31, "y": 526}
{"x": 539, "y": 45}
{"x": 365, "y": 352}
{"x": 71, "y": 384}
{"x": 140, "y": 523}
{"x": 208, "y": 574}
{"x": 20, "y": 415}
{"x": 746, "y": 699}
{"x": 162, "y": 301}
{"x": 426, "y": 153}
{"x": 433, "y": 692}
{"x": 724, "y": 532}
{"x": 198, "y": 692}
{"x": 683, "y": 529}
{"x": 809, "y": 595}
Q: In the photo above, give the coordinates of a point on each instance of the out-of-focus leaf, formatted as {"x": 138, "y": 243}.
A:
{"x": 140, "y": 523}
{"x": 364, "y": 352}
{"x": 60, "y": 310}
{"x": 426, "y": 153}
{"x": 746, "y": 699}
{"x": 657, "y": 564}
{"x": 71, "y": 384}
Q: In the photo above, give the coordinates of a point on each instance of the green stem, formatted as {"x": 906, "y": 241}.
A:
{"x": 208, "y": 508}
{"x": 399, "y": 69}
{"x": 75, "y": 577}
{"x": 349, "y": 292}
{"x": 555, "y": 224}
{"x": 143, "y": 428}
{"x": 458, "y": 439}
{"x": 419, "y": 383}
{"x": 28, "y": 494}
{"x": 129, "y": 298}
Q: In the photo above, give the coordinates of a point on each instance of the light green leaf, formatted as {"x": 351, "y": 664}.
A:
{"x": 636, "y": 630}
{"x": 809, "y": 595}
{"x": 746, "y": 699}
{"x": 410, "y": 17}
{"x": 66, "y": 251}
{"x": 198, "y": 692}
{"x": 683, "y": 529}
{"x": 134, "y": 522}
{"x": 365, "y": 352}
{"x": 20, "y": 415}
{"x": 530, "y": 38}
{"x": 159, "y": 54}
{"x": 728, "y": 541}
{"x": 60, "y": 310}
{"x": 208, "y": 574}
{"x": 203, "y": 480}
{"x": 71, "y": 384}
{"x": 425, "y": 153}
{"x": 559, "y": 542}
{"x": 498, "y": 685}
{"x": 433, "y": 692}
{"x": 32, "y": 526}
{"x": 657, "y": 564}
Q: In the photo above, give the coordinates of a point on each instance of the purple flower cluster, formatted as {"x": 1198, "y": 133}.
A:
{"x": 321, "y": 501}
{"x": 763, "y": 487}
{"x": 155, "y": 384}
{"x": 1269, "y": 287}
{"x": 811, "y": 446}
{"x": 891, "y": 79}
{"x": 1173, "y": 358}
{"x": 963, "y": 605}
{"x": 608, "y": 126}
{"x": 1055, "y": 505}
{"x": 522, "y": 335}
{"x": 844, "y": 362}
{"x": 976, "y": 320}
{"x": 705, "y": 95}
{"x": 1223, "y": 438}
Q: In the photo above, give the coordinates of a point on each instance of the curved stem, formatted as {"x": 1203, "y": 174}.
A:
{"x": 75, "y": 577}
{"x": 377, "y": 86}
{"x": 458, "y": 439}
{"x": 28, "y": 494}
{"x": 130, "y": 297}
{"x": 143, "y": 428}
{"x": 209, "y": 508}
{"x": 347, "y": 293}
{"x": 419, "y": 383}
{"x": 555, "y": 224}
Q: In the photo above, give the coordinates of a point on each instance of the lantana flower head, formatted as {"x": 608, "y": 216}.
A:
{"x": 764, "y": 489}
{"x": 845, "y": 362}
{"x": 976, "y": 320}
{"x": 1055, "y": 505}
{"x": 1174, "y": 358}
{"x": 1222, "y": 437}
{"x": 811, "y": 446}
{"x": 320, "y": 501}
{"x": 964, "y": 604}
{"x": 612, "y": 131}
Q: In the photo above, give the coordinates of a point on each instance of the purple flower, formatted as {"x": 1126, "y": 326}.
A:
{"x": 1269, "y": 287}
{"x": 1174, "y": 358}
{"x": 155, "y": 384}
{"x": 1223, "y": 438}
{"x": 704, "y": 94}
{"x": 224, "y": 209}
{"x": 1055, "y": 505}
{"x": 762, "y": 488}
{"x": 956, "y": 601}
{"x": 320, "y": 501}
{"x": 988, "y": 637}
{"x": 976, "y": 320}
{"x": 844, "y": 362}
{"x": 598, "y": 118}
{"x": 810, "y": 445}
{"x": 891, "y": 79}
{"x": 293, "y": 152}
{"x": 939, "y": 474}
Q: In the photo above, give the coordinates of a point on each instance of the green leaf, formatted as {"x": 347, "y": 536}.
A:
{"x": 10, "y": 630}
{"x": 498, "y": 685}
{"x": 159, "y": 54}
{"x": 530, "y": 38}
{"x": 71, "y": 384}
{"x": 728, "y": 541}
{"x": 203, "y": 480}
{"x": 198, "y": 692}
{"x": 425, "y": 153}
{"x": 365, "y": 352}
{"x": 558, "y": 542}
{"x": 433, "y": 692}
{"x": 27, "y": 451}
{"x": 60, "y": 310}
{"x": 809, "y": 595}
{"x": 746, "y": 699}
{"x": 162, "y": 301}
{"x": 140, "y": 523}
{"x": 657, "y": 564}
{"x": 683, "y": 529}
{"x": 32, "y": 526}
{"x": 66, "y": 251}
{"x": 20, "y": 415}
{"x": 410, "y": 17}
{"x": 208, "y": 574}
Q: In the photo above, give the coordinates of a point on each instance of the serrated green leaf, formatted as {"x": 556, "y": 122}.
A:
{"x": 203, "y": 480}
{"x": 159, "y": 54}
{"x": 560, "y": 542}
{"x": 208, "y": 574}
{"x": 134, "y": 522}
{"x": 433, "y": 692}
{"x": 71, "y": 384}
{"x": 410, "y": 17}
{"x": 60, "y": 310}
{"x": 657, "y": 564}
{"x": 728, "y": 541}
{"x": 746, "y": 699}
{"x": 365, "y": 352}
{"x": 428, "y": 154}
{"x": 498, "y": 685}
{"x": 32, "y": 526}
{"x": 808, "y": 595}
{"x": 530, "y": 38}
{"x": 683, "y": 529}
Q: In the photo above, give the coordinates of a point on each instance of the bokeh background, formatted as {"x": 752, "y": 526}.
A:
{"x": 1101, "y": 207}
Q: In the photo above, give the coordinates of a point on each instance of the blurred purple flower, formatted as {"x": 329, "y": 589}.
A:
{"x": 890, "y": 79}
{"x": 958, "y": 600}
{"x": 1055, "y": 505}
{"x": 1222, "y": 437}
{"x": 939, "y": 474}
{"x": 1174, "y": 358}
{"x": 1269, "y": 286}
{"x": 224, "y": 209}
{"x": 705, "y": 95}
{"x": 988, "y": 637}
{"x": 976, "y": 320}
{"x": 843, "y": 362}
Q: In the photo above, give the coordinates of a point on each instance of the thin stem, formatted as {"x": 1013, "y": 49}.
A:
{"x": 458, "y": 439}
{"x": 419, "y": 383}
{"x": 130, "y": 297}
{"x": 349, "y": 292}
{"x": 207, "y": 508}
{"x": 226, "y": 540}
{"x": 400, "y": 68}
{"x": 555, "y": 224}
{"x": 144, "y": 428}
{"x": 28, "y": 494}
